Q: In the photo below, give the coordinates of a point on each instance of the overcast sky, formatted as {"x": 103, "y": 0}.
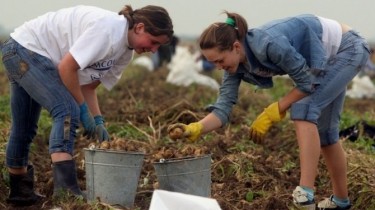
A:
{"x": 190, "y": 17}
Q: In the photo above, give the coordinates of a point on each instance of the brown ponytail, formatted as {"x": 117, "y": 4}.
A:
{"x": 156, "y": 19}
{"x": 222, "y": 35}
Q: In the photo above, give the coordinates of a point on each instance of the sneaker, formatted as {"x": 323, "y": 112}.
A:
{"x": 301, "y": 201}
{"x": 328, "y": 203}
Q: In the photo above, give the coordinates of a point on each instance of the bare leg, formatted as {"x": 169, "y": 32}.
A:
{"x": 335, "y": 160}
{"x": 60, "y": 156}
{"x": 18, "y": 171}
{"x": 309, "y": 146}
{"x": 56, "y": 157}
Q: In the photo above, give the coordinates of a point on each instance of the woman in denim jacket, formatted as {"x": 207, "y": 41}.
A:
{"x": 321, "y": 56}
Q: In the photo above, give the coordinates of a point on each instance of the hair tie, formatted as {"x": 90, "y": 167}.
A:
{"x": 230, "y": 22}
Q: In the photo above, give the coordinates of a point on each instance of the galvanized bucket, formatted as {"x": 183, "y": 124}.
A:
{"x": 112, "y": 176}
{"x": 190, "y": 175}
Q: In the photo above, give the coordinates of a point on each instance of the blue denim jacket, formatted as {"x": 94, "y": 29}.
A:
{"x": 290, "y": 46}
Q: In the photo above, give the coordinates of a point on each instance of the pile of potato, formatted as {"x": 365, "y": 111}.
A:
{"x": 117, "y": 144}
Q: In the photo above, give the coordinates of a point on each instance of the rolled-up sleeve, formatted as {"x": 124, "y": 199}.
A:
{"x": 228, "y": 97}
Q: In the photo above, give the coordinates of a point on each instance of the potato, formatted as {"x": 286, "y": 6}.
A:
{"x": 176, "y": 133}
{"x": 92, "y": 145}
{"x": 119, "y": 145}
{"x": 105, "y": 145}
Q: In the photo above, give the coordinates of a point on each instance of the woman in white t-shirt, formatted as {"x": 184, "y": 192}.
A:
{"x": 56, "y": 61}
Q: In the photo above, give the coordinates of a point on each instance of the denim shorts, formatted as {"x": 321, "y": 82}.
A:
{"x": 35, "y": 84}
{"x": 324, "y": 106}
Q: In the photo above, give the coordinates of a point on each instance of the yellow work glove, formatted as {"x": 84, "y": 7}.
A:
{"x": 180, "y": 130}
{"x": 264, "y": 121}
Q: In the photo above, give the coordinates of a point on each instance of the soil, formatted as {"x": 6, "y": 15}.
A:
{"x": 245, "y": 175}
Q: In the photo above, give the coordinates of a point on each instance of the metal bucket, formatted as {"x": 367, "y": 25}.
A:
{"x": 190, "y": 175}
{"x": 112, "y": 176}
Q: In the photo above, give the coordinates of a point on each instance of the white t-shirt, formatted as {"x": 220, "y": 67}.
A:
{"x": 96, "y": 38}
{"x": 331, "y": 37}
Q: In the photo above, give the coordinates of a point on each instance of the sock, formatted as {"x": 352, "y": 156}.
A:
{"x": 310, "y": 193}
{"x": 341, "y": 202}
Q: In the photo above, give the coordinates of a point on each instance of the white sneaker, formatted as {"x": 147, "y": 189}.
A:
{"x": 328, "y": 203}
{"x": 301, "y": 201}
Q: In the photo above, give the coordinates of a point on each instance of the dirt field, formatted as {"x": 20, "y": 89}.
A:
{"x": 245, "y": 175}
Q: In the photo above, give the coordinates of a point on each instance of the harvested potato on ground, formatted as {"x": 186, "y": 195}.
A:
{"x": 176, "y": 133}
{"x": 92, "y": 145}
{"x": 187, "y": 150}
{"x": 168, "y": 153}
{"x": 118, "y": 144}
{"x": 105, "y": 145}
{"x": 158, "y": 156}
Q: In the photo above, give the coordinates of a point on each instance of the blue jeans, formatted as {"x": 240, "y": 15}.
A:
{"x": 324, "y": 106}
{"x": 35, "y": 83}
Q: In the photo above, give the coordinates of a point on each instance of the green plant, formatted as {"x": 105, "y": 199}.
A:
{"x": 44, "y": 125}
{"x": 249, "y": 196}
{"x": 4, "y": 109}
{"x": 5, "y": 175}
{"x": 238, "y": 147}
{"x": 288, "y": 165}
{"x": 365, "y": 144}
{"x": 126, "y": 131}
{"x": 348, "y": 118}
